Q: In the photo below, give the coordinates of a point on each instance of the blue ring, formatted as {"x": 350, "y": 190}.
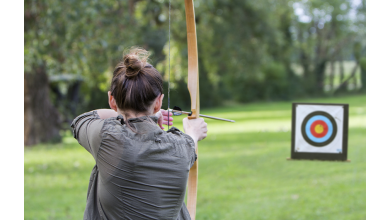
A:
{"x": 315, "y": 118}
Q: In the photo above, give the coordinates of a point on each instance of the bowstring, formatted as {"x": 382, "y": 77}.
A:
{"x": 169, "y": 56}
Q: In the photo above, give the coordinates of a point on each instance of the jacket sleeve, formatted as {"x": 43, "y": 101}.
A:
{"x": 191, "y": 151}
{"x": 189, "y": 142}
{"x": 86, "y": 130}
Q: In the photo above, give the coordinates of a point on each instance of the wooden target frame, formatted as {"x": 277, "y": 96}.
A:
{"x": 340, "y": 128}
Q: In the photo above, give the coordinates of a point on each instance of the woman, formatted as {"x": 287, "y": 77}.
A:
{"x": 141, "y": 171}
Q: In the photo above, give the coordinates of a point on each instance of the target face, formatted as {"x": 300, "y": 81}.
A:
{"x": 319, "y": 131}
{"x": 319, "y": 128}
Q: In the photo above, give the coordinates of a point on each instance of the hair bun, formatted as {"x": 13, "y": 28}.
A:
{"x": 135, "y": 60}
{"x": 133, "y": 65}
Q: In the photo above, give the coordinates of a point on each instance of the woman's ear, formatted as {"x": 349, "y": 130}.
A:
{"x": 158, "y": 104}
{"x": 111, "y": 102}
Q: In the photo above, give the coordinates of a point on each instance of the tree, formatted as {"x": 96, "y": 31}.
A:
{"x": 323, "y": 33}
{"x": 69, "y": 41}
{"x": 246, "y": 51}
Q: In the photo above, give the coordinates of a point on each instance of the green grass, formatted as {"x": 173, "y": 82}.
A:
{"x": 243, "y": 171}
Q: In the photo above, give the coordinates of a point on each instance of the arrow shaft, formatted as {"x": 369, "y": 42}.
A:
{"x": 205, "y": 116}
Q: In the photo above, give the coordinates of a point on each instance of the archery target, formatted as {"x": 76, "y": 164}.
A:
{"x": 319, "y": 129}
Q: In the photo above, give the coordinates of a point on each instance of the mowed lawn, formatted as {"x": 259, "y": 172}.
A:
{"x": 243, "y": 171}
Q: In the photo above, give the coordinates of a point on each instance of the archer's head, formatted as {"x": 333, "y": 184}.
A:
{"x": 136, "y": 85}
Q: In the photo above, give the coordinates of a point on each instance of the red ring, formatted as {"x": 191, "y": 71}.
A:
{"x": 314, "y": 133}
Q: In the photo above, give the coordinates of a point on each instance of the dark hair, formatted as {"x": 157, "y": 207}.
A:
{"x": 135, "y": 83}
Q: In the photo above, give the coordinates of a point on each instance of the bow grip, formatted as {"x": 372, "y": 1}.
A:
{"x": 193, "y": 114}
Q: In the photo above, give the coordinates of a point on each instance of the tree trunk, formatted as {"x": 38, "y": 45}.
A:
{"x": 73, "y": 99}
{"x": 319, "y": 77}
{"x": 342, "y": 86}
{"x": 354, "y": 80}
{"x": 362, "y": 65}
{"x": 331, "y": 75}
{"x": 41, "y": 119}
{"x": 132, "y": 4}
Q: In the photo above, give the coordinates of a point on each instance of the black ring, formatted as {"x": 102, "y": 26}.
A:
{"x": 303, "y": 129}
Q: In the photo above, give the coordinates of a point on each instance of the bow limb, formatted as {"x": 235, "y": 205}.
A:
{"x": 193, "y": 88}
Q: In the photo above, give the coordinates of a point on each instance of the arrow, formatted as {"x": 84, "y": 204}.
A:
{"x": 177, "y": 111}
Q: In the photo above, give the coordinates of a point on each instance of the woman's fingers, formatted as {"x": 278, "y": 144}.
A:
{"x": 165, "y": 112}
{"x": 166, "y": 118}
{"x": 163, "y": 119}
{"x": 166, "y": 123}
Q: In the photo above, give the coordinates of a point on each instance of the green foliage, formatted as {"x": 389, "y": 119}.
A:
{"x": 85, "y": 40}
{"x": 246, "y": 48}
{"x": 243, "y": 171}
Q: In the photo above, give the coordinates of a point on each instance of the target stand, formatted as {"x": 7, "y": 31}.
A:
{"x": 319, "y": 131}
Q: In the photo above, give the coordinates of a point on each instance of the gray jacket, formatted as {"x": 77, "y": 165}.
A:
{"x": 140, "y": 173}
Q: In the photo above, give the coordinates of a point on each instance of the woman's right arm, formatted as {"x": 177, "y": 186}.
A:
{"x": 86, "y": 130}
{"x": 106, "y": 113}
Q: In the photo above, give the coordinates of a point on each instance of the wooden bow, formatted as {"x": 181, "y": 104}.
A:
{"x": 193, "y": 87}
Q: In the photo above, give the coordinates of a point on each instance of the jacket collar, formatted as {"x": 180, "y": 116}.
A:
{"x": 138, "y": 119}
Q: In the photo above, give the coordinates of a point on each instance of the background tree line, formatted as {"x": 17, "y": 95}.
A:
{"x": 248, "y": 51}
